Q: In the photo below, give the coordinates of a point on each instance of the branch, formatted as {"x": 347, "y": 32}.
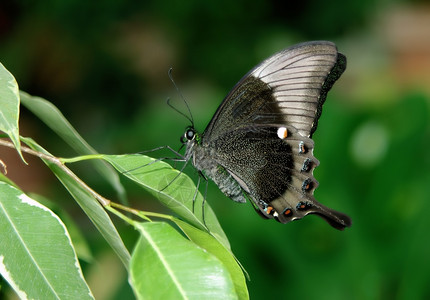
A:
{"x": 55, "y": 160}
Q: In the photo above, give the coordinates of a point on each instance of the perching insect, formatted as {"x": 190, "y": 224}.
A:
{"x": 259, "y": 146}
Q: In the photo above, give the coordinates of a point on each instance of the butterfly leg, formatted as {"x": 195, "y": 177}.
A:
{"x": 156, "y": 160}
{"x": 179, "y": 155}
{"x": 176, "y": 177}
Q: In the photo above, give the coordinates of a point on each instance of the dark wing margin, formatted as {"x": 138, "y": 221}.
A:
{"x": 332, "y": 77}
{"x": 288, "y": 88}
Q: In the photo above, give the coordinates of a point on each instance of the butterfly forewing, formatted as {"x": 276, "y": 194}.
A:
{"x": 286, "y": 88}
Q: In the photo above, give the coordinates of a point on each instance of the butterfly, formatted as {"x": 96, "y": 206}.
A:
{"x": 258, "y": 145}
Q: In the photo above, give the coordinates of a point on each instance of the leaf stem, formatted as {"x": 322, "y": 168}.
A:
{"x": 140, "y": 213}
{"x": 81, "y": 158}
{"x": 4, "y": 167}
{"x": 120, "y": 215}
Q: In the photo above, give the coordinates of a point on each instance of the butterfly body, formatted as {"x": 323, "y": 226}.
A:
{"x": 259, "y": 145}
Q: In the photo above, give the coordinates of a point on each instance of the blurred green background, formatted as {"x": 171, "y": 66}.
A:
{"x": 104, "y": 64}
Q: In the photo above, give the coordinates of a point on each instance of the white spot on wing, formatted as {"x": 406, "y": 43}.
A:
{"x": 282, "y": 132}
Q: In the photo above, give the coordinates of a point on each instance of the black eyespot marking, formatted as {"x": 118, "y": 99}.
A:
{"x": 302, "y": 148}
{"x": 307, "y": 185}
{"x": 307, "y": 165}
{"x": 303, "y": 205}
{"x": 288, "y": 212}
{"x": 269, "y": 210}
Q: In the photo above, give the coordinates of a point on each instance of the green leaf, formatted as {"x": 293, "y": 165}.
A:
{"x": 54, "y": 119}
{"x": 9, "y": 107}
{"x": 177, "y": 194}
{"x": 36, "y": 254}
{"x": 213, "y": 246}
{"x": 79, "y": 242}
{"x": 89, "y": 204}
{"x": 165, "y": 265}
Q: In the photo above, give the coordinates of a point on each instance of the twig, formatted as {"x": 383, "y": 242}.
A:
{"x": 3, "y": 165}
{"x": 55, "y": 160}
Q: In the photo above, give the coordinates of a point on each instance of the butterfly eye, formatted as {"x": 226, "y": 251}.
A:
{"x": 189, "y": 134}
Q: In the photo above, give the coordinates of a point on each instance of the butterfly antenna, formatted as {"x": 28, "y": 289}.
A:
{"x": 190, "y": 117}
{"x": 180, "y": 112}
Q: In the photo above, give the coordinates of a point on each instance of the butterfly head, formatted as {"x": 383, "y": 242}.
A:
{"x": 190, "y": 138}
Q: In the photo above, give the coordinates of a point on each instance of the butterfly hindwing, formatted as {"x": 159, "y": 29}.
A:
{"x": 280, "y": 182}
